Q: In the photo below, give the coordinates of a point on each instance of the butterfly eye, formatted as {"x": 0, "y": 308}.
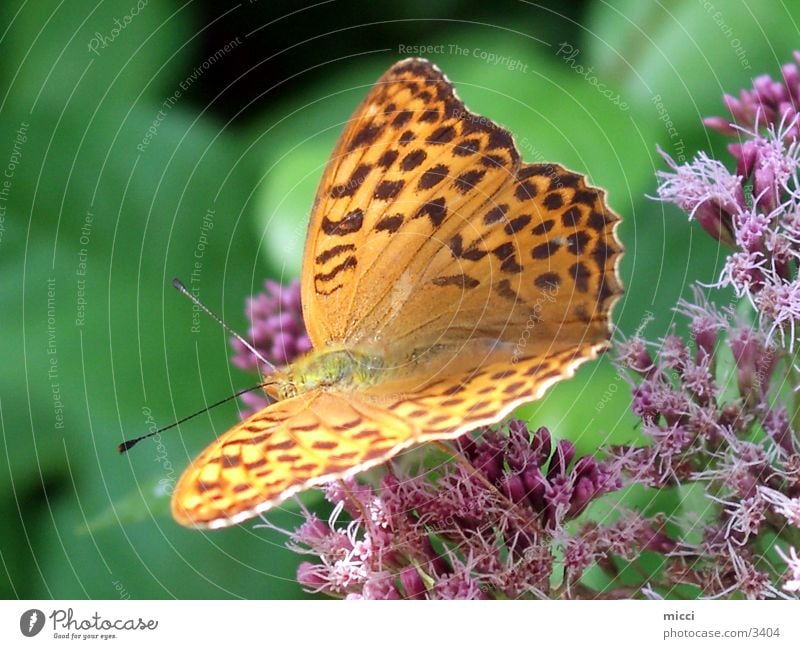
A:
{"x": 287, "y": 391}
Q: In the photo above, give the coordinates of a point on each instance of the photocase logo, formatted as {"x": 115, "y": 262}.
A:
{"x": 31, "y": 622}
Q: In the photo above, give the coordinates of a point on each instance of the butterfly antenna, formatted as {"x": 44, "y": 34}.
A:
{"x": 178, "y": 284}
{"x": 127, "y": 445}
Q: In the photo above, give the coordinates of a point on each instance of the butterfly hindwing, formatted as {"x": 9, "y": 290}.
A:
{"x": 481, "y": 394}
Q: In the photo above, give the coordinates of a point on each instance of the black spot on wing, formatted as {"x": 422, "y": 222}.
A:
{"x": 352, "y": 222}
{"x": 462, "y": 281}
{"x": 435, "y": 210}
{"x": 329, "y": 254}
{"x": 350, "y": 262}
{"x": 389, "y": 223}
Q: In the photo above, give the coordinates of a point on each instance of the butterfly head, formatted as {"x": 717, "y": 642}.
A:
{"x": 280, "y": 385}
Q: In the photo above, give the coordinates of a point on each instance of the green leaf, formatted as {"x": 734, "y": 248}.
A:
{"x": 114, "y": 52}
{"x": 111, "y": 225}
{"x": 684, "y": 55}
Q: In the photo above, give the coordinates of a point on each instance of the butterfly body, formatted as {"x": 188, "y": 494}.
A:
{"x": 341, "y": 369}
{"x": 444, "y": 283}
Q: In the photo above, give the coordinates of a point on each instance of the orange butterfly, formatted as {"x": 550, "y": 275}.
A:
{"x": 444, "y": 283}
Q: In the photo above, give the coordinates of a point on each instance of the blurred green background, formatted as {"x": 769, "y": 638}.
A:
{"x": 126, "y": 129}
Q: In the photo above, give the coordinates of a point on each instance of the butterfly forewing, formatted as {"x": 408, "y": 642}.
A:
{"x": 428, "y": 231}
{"x": 310, "y": 440}
{"x": 285, "y": 448}
{"x": 412, "y": 163}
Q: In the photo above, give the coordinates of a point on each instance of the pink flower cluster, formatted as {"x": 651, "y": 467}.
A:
{"x": 277, "y": 331}
{"x": 768, "y": 102}
{"x": 486, "y": 526}
{"x": 731, "y": 431}
{"x": 724, "y": 432}
{"x": 754, "y": 209}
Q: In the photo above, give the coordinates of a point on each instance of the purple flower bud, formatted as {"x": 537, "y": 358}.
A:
{"x": 490, "y": 463}
{"x": 586, "y": 467}
{"x": 458, "y": 586}
{"x": 720, "y": 124}
{"x": 467, "y": 445}
{"x": 519, "y": 449}
{"x": 746, "y": 351}
{"x": 789, "y": 113}
{"x": 731, "y": 417}
{"x": 380, "y": 586}
{"x": 412, "y": 584}
{"x": 779, "y": 302}
{"x": 284, "y": 321}
{"x": 558, "y": 497}
{"x": 746, "y": 155}
{"x": 769, "y": 102}
{"x": 669, "y": 440}
{"x": 751, "y": 229}
{"x": 336, "y": 491}
{"x": 542, "y": 444}
{"x": 715, "y": 221}
{"x": 674, "y": 353}
{"x": 765, "y": 367}
{"x": 671, "y": 404}
{"x": 243, "y": 359}
{"x": 518, "y": 429}
{"x": 764, "y": 187}
{"x": 742, "y": 480}
{"x": 311, "y": 531}
{"x": 311, "y": 576}
{"x": 253, "y": 401}
{"x": 643, "y": 404}
{"x": 776, "y": 424}
{"x": 697, "y": 378}
{"x": 781, "y": 246}
{"x": 735, "y": 108}
{"x": 704, "y": 332}
{"x": 655, "y": 540}
{"x": 565, "y": 451}
{"x": 513, "y": 487}
{"x": 608, "y": 478}
{"x": 578, "y": 554}
{"x": 583, "y": 491}
{"x": 535, "y": 486}
{"x": 634, "y": 354}
{"x": 764, "y": 88}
